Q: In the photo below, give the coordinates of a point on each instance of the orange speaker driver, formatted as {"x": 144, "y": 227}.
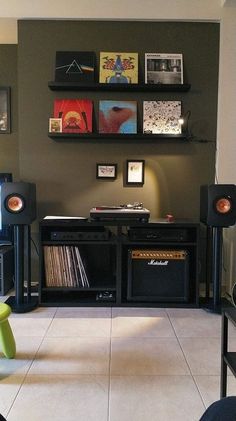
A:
{"x": 14, "y": 203}
{"x": 223, "y": 205}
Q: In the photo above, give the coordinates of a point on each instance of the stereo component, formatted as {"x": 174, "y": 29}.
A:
{"x": 150, "y": 234}
{"x": 158, "y": 275}
{"x": 100, "y": 235}
{"x": 129, "y": 212}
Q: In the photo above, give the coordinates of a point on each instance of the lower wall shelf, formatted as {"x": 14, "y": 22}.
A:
{"x": 116, "y": 137}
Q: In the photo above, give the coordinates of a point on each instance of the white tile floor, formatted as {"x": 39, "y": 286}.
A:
{"x": 103, "y": 364}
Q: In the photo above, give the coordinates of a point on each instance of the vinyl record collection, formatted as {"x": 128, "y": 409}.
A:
{"x": 64, "y": 267}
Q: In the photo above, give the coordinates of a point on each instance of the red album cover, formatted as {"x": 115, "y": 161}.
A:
{"x": 76, "y": 115}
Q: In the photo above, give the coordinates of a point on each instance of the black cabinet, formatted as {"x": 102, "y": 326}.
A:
{"x": 127, "y": 263}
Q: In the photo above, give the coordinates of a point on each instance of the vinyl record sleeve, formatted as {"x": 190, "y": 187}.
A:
{"x": 162, "y": 117}
{"x": 117, "y": 117}
{"x": 76, "y": 115}
{"x": 118, "y": 67}
{"x": 164, "y": 68}
{"x": 75, "y": 66}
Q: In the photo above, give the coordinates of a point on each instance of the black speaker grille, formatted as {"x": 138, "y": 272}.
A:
{"x": 158, "y": 275}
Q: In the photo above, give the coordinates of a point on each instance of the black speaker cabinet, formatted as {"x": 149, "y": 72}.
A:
{"x": 6, "y": 232}
{"x": 218, "y": 205}
{"x": 18, "y": 203}
{"x": 6, "y": 268}
{"x": 158, "y": 275}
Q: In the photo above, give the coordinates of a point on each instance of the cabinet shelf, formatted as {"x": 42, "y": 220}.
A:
{"x": 230, "y": 359}
{"x": 109, "y": 137}
{"x": 134, "y": 87}
{"x": 65, "y": 289}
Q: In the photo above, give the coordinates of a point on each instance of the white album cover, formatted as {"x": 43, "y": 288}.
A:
{"x": 161, "y": 117}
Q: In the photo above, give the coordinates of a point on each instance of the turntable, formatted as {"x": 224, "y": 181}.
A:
{"x": 134, "y": 212}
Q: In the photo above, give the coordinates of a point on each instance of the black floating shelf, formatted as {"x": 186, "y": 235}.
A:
{"x": 134, "y": 87}
{"x": 117, "y": 137}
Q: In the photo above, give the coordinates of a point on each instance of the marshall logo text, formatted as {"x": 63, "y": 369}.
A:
{"x": 154, "y": 262}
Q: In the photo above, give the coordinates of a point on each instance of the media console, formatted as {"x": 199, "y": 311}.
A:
{"x": 118, "y": 263}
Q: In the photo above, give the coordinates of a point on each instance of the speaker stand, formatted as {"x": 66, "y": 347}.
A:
{"x": 216, "y": 241}
{"x": 21, "y": 303}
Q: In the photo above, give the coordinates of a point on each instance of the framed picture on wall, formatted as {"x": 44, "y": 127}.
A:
{"x": 106, "y": 171}
{"x": 5, "y": 118}
{"x": 135, "y": 172}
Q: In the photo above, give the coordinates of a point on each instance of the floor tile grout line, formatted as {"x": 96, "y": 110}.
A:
{"x": 185, "y": 358}
{"x": 109, "y": 369}
{"x": 30, "y": 365}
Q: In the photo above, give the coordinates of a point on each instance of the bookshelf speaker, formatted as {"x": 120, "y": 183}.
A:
{"x": 18, "y": 203}
{"x": 218, "y": 205}
{"x": 158, "y": 275}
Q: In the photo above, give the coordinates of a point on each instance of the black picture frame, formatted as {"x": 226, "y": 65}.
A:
{"x": 5, "y": 108}
{"x": 106, "y": 171}
{"x": 135, "y": 172}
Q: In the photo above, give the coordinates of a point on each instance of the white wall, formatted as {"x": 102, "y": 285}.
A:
{"x": 223, "y": 11}
{"x": 110, "y": 9}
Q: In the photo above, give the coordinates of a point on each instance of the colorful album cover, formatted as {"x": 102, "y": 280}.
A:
{"x": 163, "y": 68}
{"x": 117, "y": 117}
{"x": 75, "y": 66}
{"x": 76, "y": 115}
{"x": 118, "y": 67}
{"x": 161, "y": 117}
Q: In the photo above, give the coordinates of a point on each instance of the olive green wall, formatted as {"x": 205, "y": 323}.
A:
{"x": 8, "y": 142}
{"x": 64, "y": 172}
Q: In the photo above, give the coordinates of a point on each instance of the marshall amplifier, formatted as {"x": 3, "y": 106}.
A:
{"x": 158, "y": 275}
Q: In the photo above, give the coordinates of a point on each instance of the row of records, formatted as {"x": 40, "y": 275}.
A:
{"x": 76, "y": 116}
{"x": 118, "y": 67}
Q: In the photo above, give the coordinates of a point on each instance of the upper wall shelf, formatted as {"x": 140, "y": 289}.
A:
{"x": 135, "y": 87}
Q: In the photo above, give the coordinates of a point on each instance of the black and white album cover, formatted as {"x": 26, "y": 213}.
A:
{"x": 163, "y": 68}
{"x": 161, "y": 117}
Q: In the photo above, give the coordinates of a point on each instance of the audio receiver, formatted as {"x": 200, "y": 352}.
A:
{"x": 98, "y": 235}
